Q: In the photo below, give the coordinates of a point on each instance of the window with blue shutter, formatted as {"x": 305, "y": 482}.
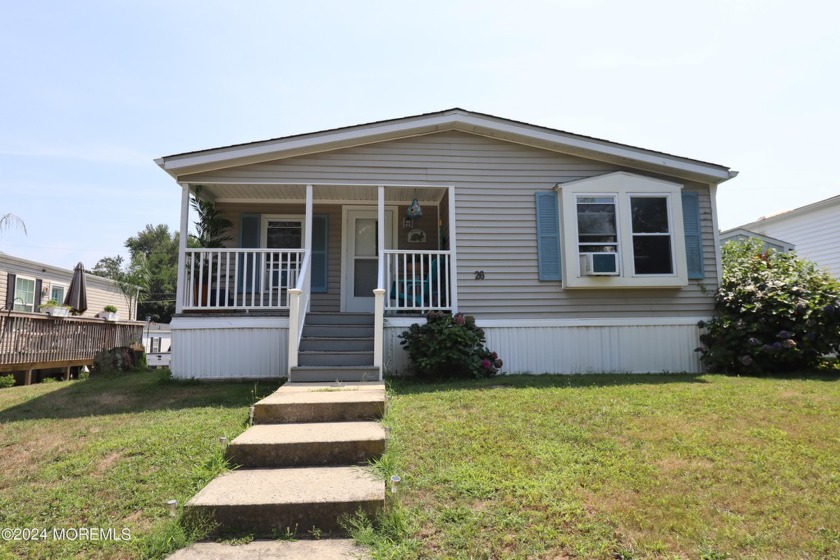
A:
{"x": 548, "y": 236}
{"x": 693, "y": 237}
{"x": 320, "y": 258}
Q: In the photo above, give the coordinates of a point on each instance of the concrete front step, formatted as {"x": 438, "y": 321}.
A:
{"x": 335, "y": 358}
{"x": 338, "y": 331}
{"x": 295, "y": 445}
{"x": 336, "y": 344}
{"x": 327, "y": 374}
{"x": 320, "y": 318}
{"x": 323, "y": 549}
{"x": 296, "y": 402}
{"x": 271, "y": 502}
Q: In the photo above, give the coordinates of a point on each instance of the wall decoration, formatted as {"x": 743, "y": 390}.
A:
{"x": 417, "y": 236}
{"x": 408, "y": 223}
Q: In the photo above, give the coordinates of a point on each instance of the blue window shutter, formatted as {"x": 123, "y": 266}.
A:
{"x": 548, "y": 236}
{"x": 320, "y": 260}
{"x": 693, "y": 237}
{"x": 249, "y": 238}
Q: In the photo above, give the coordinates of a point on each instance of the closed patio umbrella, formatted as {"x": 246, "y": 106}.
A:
{"x": 77, "y": 294}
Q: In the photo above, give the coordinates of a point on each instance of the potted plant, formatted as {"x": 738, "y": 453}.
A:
{"x": 109, "y": 313}
{"x": 55, "y": 309}
{"x": 212, "y": 232}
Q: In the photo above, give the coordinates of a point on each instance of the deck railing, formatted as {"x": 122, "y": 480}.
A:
{"x": 33, "y": 341}
{"x": 229, "y": 279}
{"x": 417, "y": 280}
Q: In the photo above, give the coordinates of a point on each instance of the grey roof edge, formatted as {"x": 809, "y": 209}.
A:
{"x": 185, "y": 163}
{"x": 780, "y": 216}
{"x": 724, "y": 235}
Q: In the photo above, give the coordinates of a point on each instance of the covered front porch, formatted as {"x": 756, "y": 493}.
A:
{"x": 298, "y": 248}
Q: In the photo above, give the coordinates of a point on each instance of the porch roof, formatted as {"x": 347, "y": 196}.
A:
{"x": 179, "y": 165}
{"x": 294, "y": 193}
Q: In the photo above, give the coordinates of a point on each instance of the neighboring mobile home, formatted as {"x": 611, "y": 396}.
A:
{"x": 574, "y": 254}
{"x": 25, "y": 285}
{"x": 812, "y": 230}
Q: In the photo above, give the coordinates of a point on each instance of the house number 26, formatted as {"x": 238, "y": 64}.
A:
{"x": 479, "y": 275}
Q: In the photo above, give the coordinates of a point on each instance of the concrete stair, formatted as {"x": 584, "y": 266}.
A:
{"x": 300, "y": 463}
{"x": 295, "y": 445}
{"x": 336, "y": 347}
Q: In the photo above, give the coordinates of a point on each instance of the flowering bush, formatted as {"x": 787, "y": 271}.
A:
{"x": 449, "y": 346}
{"x": 773, "y": 312}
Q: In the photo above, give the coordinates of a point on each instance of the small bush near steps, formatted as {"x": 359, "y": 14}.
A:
{"x": 774, "y": 312}
{"x": 449, "y": 346}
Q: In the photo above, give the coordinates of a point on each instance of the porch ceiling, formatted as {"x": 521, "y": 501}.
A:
{"x": 321, "y": 193}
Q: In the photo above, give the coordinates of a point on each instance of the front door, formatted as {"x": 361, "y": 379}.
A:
{"x": 360, "y": 259}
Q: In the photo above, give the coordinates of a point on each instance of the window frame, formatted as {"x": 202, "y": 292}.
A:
{"x": 63, "y": 287}
{"x": 266, "y": 218}
{"x": 623, "y": 186}
{"x": 15, "y": 305}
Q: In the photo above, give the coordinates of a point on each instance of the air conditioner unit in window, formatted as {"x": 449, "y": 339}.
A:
{"x": 600, "y": 264}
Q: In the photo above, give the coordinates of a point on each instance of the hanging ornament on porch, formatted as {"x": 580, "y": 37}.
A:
{"x": 414, "y": 210}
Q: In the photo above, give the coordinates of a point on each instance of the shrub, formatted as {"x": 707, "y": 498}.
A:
{"x": 773, "y": 312}
{"x": 7, "y": 381}
{"x": 449, "y": 346}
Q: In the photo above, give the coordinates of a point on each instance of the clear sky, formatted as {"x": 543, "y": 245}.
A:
{"x": 93, "y": 91}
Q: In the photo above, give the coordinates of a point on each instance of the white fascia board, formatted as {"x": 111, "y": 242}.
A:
{"x": 591, "y": 147}
{"x": 452, "y": 120}
{"x": 234, "y": 322}
{"x": 405, "y": 322}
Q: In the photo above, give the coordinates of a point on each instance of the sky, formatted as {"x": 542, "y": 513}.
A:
{"x": 92, "y": 92}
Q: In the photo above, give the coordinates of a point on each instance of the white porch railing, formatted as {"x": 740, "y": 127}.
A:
{"x": 298, "y": 307}
{"x": 229, "y": 279}
{"x": 418, "y": 280}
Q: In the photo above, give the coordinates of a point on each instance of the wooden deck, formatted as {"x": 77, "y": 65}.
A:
{"x": 32, "y": 341}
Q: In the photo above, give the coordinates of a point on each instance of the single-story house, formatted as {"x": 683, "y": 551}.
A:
{"x": 813, "y": 231}
{"x": 25, "y": 285}
{"x": 575, "y": 254}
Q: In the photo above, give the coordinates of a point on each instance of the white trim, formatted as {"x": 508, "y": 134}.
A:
{"x": 181, "y": 286}
{"x": 265, "y": 218}
{"x": 623, "y": 187}
{"x": 35, "y": 295}
{"x": 458, "y": 119}
{"x": 716, "y": 232}
{"x": 453, "y": 252}
{"x": 234, "y": 322}
{"x": 344, "y": 283}
{"x": 541, "y": 323}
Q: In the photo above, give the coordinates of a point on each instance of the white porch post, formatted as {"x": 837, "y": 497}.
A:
{"x": 379, "y": 292}
{"x": 181, "y": 289}
{"x": 453, "y": 253}
{"x": 307, "y": 242}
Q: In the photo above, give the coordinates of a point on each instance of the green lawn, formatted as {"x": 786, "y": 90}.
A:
{"x": 605, "y": 466}
{"x": 107, "y": 453}
{"x": 599, "y": 466}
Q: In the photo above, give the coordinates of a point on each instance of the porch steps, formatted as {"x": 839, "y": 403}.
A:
{"x": 312, "y": 444}
{"x": 300, "y": 463}
{"x": 336, "y": 347}
{"x": 293, "y": 402}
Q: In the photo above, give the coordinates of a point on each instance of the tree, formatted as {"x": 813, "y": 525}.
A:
{"x": 9, "y": 220}
{"x": 153, "y": 267}
{"x": 774, "y": 312}
{"x": 159, "y": 248}
{"x": 132, "y": 279}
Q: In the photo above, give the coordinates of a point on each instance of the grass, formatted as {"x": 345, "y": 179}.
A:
{"x": 108, "y": 453}
{"x": 612, "y": 466}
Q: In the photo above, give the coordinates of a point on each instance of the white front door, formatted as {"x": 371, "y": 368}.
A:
{"x": 360, "y": 260}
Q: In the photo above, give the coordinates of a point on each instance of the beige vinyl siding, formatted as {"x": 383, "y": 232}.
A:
{"x": 494, "y": 183}
{"x": 100, "y": 291}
